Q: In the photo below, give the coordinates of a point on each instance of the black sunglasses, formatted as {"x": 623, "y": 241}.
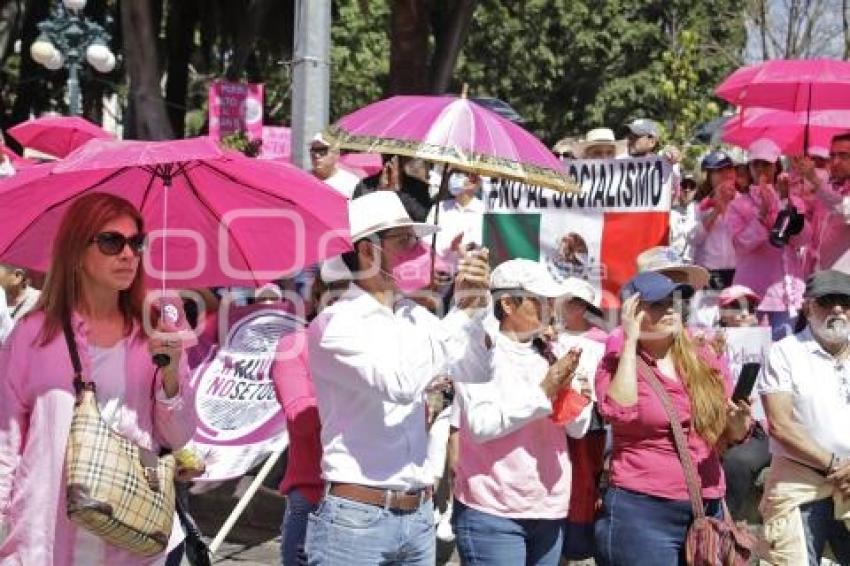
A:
{"x": 319, "y": 151}
{"x": 112, "y": 243}
{"x": 832, "y": 300}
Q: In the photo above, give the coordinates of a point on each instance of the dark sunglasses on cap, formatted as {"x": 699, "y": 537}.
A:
{"x": 112, "y": 243}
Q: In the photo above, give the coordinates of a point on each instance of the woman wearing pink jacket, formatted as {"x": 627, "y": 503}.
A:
{"x": 772, "y": 269}
{"x": 96, "y": 283}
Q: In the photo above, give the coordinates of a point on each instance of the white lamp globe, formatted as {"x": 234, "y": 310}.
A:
{"x": 74, "y": 4}
{"x": 55, "y": 61}
{"x": 97, "y": 55}
{"x": 107, "y": 65}
{"x": 41, "y": 51}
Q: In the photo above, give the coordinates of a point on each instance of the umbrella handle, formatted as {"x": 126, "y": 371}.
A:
{"x": 441, "y": 195}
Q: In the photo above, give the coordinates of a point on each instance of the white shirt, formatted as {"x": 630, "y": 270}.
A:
{"x": 456, "y": 219}
{"x": 820, "y": 388}
{"x": 683, "y": 226}
{"x": 26, "y": 303}
{"x": 713, "y": 249}
{"x": 343, "y": 181}
{"x": 370, "y": 366}
{"x": 6, "y": 321}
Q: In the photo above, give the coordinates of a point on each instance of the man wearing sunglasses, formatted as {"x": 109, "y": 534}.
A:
{"x": 806, "y": 395}
{"x": 324, "y": 162}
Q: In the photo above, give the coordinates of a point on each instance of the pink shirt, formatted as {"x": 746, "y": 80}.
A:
{"x": 36, "y": 406}
{"x": 291, "y": 374}
{"x": 834, "y": 230}
{"x": 644, "y": 457}
{"x": 775, "y": 274}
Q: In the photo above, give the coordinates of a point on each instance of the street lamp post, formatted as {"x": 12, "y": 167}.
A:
{"x": 66, "y": 38}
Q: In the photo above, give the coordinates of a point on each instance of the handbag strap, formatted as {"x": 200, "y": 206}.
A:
{"x": 75, "y": 356}
{"x": 679, "y": 439}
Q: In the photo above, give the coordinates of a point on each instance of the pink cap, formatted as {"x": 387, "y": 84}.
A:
{"x": 735, "y": 293}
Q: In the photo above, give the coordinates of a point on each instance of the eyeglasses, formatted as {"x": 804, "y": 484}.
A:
{"x": 662, "y": 305}
{"x": 112, "y": 243}
{"x": 406, "y": 240}
{"x": 319, "y": 151}
{"x": 833, "y": 300}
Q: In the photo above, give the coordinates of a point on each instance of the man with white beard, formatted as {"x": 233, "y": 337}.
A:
{"x": 806, "y": 395}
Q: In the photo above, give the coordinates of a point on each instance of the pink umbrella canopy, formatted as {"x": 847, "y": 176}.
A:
{"x": 57, "y": 135}
{"x": 796, "y": 85}
{"x": 786, "y": 129}
{"x": 213, "y": 217}
{"x": 451, "y": 130}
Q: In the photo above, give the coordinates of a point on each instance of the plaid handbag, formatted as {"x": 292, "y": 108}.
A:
{"x": 115, "y": 489}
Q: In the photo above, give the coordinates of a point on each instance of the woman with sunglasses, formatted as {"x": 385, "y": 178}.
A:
{"x": 95, "y": 282}
{"x": 646, "y": 510}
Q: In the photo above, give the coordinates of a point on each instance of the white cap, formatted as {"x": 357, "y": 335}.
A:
{"x": 524, "y": 275}
{"x": 319, "y": 139}
{"x": 600, "y": 136}
{"x": 738, "y": 155}
{"x": 333, "y": 270}
{"x": 764, "y": 150}
{"x": 381, "y": 210}
{"x": 576, "y": 288}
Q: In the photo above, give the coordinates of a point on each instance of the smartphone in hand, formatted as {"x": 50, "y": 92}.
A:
{"x": 746, "y": 381}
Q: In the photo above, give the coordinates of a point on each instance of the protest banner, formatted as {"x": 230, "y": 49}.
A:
{"x": 235, "y": 107}
{"x": 277, "y": 143}
{"x": 623, "y": 209}
{"x": 238, "y": 417}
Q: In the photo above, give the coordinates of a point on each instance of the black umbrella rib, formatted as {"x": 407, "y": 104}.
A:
{"x": 147, "y": 192}
{"x": 212, "y": 213}
{"x": 233, "y": 179}
{"x": 59, "y": 203}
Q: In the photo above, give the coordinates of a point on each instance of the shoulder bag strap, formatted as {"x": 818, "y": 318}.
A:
{"x": 75, "y": 356}
{"x": 679, "y": 439}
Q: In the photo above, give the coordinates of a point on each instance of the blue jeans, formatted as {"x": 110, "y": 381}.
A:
{"x": 635, "y": 529}
{"x": 491, "y": 540}
{"x": 821, "y": 527}
{"x": 293, "y": 529}
{"x": 342, "y": 532}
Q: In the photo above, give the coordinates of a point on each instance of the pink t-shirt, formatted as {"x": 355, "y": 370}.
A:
{"x": 644, "y": 458}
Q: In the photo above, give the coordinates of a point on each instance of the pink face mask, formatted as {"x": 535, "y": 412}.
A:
{"x": 412, "y": 268}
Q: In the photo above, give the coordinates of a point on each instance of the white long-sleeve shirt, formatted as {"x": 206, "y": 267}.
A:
{"x": 370, "y": 367}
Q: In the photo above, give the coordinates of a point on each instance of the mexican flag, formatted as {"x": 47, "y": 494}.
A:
{"x": 622, "y": 210}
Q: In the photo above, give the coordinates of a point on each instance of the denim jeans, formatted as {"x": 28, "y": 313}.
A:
{"x": 293, "y": 529}
{"x": 821, "y": 526}
{"x": 635, "y": 529}
{"x": 485, "y": 539}
{"x": 342, "y": 532}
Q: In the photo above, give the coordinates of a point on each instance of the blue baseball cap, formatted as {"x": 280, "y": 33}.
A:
{"x": 717, "y": 160}
{"x": 653, "y": 286}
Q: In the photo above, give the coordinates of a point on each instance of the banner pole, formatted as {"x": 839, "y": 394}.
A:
{"x": 244, "y": 501}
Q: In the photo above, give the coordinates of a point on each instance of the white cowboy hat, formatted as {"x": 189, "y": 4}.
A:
{"x": 379, "y": 211}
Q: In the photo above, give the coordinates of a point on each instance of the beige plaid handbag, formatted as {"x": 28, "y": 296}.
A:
{"x": 115, "y": 489}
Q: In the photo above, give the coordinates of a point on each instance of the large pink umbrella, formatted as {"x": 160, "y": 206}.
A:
{"x": 57, "y": 135}
{"x": 451, "y": 130}
{"x": 214, "y": 217}
{"x": 787, "y": 129}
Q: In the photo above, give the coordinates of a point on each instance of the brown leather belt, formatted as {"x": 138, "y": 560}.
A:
{"x": 396, "y": 500}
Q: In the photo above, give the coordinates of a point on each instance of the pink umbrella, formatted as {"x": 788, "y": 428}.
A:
{"x": 213, "y": 217}
{"x": 57, "y": 135}
{"x": 797, "y": 85}
{"x": 361, "y": 164}
{"x": 451, "y": 130}
{"x": 786, "y": 129}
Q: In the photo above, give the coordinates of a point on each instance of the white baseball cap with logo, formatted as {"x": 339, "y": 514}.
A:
{"x": 525, "y": 275}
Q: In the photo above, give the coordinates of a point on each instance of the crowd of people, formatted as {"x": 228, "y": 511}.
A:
{"x": 552, "y": 428}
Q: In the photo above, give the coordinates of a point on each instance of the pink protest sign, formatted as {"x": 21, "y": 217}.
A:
{"x": 235, "y": 107}
{"x": 277, "y": 143}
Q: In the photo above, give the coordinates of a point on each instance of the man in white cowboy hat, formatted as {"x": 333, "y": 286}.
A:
{"x": 372, "y": 357}
{"x": 599, "y": 143}
{"x": 324, "y": 159}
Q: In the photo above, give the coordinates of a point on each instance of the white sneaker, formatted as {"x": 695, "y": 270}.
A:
{"x": 444, "y": 527}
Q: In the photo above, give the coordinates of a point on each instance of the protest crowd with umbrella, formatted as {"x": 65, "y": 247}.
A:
{"x": 444, "y": 295}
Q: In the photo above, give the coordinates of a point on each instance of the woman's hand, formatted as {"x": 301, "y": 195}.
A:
{"x": 739, "y": 419}
{"x": 632, "y": 318}
{"x": 170, "y": 345}
{"x": 841, "y": 477}
{"x": 560, "y": 374}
